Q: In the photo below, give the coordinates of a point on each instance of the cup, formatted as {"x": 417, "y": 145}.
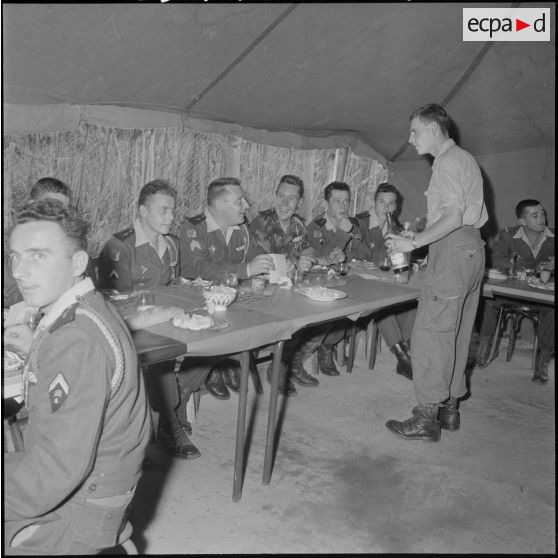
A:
{"x": 258, "y": 284}
{"x": 544, "y": 275}
{"x": 342, "y": 268}
{"x": 231, "y": 279}
{"x": 144, "y": 298}
{"x": 385, "y": 264}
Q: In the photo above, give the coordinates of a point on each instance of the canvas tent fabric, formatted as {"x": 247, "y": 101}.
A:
{"x": 300, "y": 76}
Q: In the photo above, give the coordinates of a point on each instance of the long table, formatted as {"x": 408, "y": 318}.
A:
{"x": 253, "y": 324}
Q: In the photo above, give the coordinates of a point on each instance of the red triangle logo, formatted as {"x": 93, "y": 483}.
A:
{"x": 519, "y": 25}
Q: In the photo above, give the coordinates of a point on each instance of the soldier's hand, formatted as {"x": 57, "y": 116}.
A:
{"x": 305, "y": 263}
{"x": 260, "y": 264}
{"x": 397, "y": 243}
{"x": 336, "y": 256}
{"x": 18, "y": 338}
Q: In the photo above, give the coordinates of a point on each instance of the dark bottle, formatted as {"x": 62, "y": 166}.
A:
{"x": 399, "y": 260}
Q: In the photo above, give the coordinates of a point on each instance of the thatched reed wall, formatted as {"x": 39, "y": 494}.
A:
{"x": 106, "y": 168}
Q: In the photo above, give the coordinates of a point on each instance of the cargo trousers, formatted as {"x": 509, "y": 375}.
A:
{"x": 446, "y": 315}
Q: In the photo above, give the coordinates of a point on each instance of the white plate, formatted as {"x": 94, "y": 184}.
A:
{"x": 496, "y": 275}
{"x": 542, "y": 286}
{"x": 321, "y": 293}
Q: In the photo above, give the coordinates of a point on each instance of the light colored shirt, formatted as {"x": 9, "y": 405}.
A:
{"x": 213, "y": 226}
{"x": 66, "y": 300}
{"x": 456, "y": 182}
{"x": 522, "y": 235}
{"x": 160, "y": 244}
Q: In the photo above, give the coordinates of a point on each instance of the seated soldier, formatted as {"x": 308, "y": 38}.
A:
{"x": 395, "y": 327}
{"x": 44, "y": 188}
{"x": 69, "y": 490}
{"x": 531, "y": 243}
{"x": 214, "y": 244}
{"x": 281, "y": 230}
{"x": 144, "y": 256}
{"x": 335, "y": 237}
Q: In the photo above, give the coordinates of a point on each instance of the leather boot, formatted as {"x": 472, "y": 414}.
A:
{"x": 298, "y": 373}
{"x": 286, "y": 387}
{"x": 448, "y": 414}
{"x": 231, "y": 374}
{"x": 215, "y": 384}
{"x": 404, "y": 366}
{"x": 175, "y": 441}
{"x": 423, "y": 425}
{"x": 540, "y": 376}
{"x": 483, "y": 351}
{"x": 325, "y": 361}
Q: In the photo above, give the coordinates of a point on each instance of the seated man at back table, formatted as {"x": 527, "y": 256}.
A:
{"x": 336, "y": 237}
{"x": 45, "y": 188}
{"x": 144, "y": 256}
{"x": 218, "y": 242}
{"x": 69, "y": 490}
{"x": 531, "y": 243}
{"x": 395, "y": 327}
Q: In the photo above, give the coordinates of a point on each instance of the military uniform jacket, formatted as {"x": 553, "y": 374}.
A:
{"x": 206, "y": 254}
{"x": 124, "y": 266}
{"x": 510, "y": 241}
{"x": 373, "y": 237}
{"x": 87, "y": 432}
{"x": 324, "y": 239}
{"x": 269, "y": 234}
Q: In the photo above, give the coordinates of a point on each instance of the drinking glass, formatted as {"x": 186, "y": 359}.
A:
{"x": 144, "y": 298}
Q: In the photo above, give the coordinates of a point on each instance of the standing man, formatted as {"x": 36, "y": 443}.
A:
{"x": 69, "y": 490}
{"x": 144, "y": 256}
{"x": 531, "y": 243}
{"x": 218, "y": 242}
{"x": 448, "y": 303}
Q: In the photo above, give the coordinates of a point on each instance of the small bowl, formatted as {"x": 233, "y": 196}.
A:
{"x": 220, "y": 296}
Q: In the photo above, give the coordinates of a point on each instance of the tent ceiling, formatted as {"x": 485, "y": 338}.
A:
{"x": 298, "y": 67}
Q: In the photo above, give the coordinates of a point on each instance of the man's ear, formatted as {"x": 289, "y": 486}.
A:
{"x": 79, "y": 262}
{"x": 521, "y": 221}
{"x": 142, "y": 210}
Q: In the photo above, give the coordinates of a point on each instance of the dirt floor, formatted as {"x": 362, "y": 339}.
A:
{"x": 342, "y": 483}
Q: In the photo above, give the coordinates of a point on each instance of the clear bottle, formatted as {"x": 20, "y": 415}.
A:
{"x": 399, "y": 260}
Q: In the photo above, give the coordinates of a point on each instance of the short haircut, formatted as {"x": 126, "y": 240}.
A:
{"x": 157, "y": 186}
{"x": 294, "y": 180}
{"x": 54, "y": 211}
{"x": 523, "y": 205}
{"x": 433, "y": 113}
{"x": 49, "y": 185}
{"x": 218, "y": 186}
{"x": 341, "y": 186}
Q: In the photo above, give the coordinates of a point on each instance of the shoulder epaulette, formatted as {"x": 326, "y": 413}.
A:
{"x": 126, "y": 233}
{"x": 267, "y": 212}
{"x": 197, "y": 219}
{"x": 66, "y": 317}
{"x": 320, "y": 221}
{"x": 363, "y": 215}
{"x": 301, "y": 219}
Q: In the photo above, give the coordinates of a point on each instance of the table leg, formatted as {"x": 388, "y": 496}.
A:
{"x": 270, "y": 439}
{"x": 241, "y": 426}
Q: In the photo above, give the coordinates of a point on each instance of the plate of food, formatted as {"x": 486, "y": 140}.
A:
{"x": 324, "y": 294}
{"x": 198, "y": 322}
{"x": 496, "y": 275}
{"x": 542, "y": 286}
{"x": 12, "y": 361}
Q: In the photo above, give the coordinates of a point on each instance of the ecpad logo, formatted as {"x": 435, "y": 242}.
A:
{"x": 506, "y": 24}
